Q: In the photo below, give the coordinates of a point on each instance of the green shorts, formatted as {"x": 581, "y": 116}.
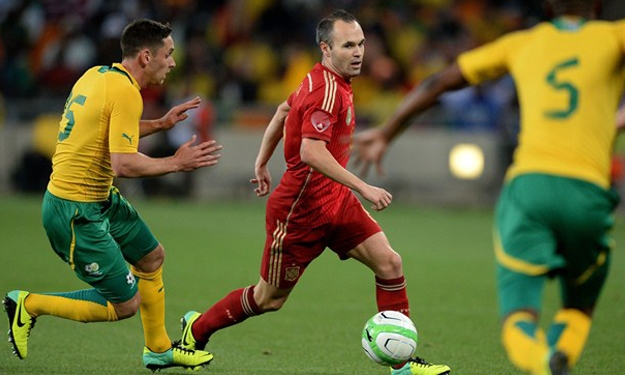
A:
{"x": 548, "y": 226}
{"x": 97, "y": 239}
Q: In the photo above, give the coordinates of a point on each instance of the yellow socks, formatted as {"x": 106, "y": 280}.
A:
{"x": 525, "y": 342}
{"x": 152, "y": 309}
{"x": 81, "y": 305}
{"x": 90, "y": 306}
{"x": 569, "y": 332}
{"x": 529, "y": 348}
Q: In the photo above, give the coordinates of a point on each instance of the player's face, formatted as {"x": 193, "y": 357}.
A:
{"x": 161, "y": 62}
{"x": 348, "y": 49}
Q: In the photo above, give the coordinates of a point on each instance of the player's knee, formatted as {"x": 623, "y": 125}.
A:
{"x": 390, "y": 266}
{"x": 129, "y": 308}
{"x": 152, "y": 261}
{"x": 157, "y": 256}
{"x": 395, "y": 262}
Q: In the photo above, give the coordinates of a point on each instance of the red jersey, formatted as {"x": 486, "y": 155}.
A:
{"x": 321, "y": 108}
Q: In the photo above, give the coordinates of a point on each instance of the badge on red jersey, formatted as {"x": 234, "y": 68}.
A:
{"x": 320, "y": 120}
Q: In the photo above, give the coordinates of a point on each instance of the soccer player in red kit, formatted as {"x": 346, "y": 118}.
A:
{"x": 314, "y": 205}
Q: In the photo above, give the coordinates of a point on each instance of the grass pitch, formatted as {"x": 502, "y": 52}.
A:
{"x": 213, "y": 248}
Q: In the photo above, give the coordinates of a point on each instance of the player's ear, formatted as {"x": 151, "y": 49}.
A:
{"x": 325, "y": 49}
{"x": 145, "y": 57}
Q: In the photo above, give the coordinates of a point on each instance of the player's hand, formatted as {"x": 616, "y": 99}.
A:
{"x": 190, "y": 156}
{"x": 262, "y": 181}
{"x": 369, "y": 146}
{"x": 179, "y": 113}
{"x": 378, "y": 196}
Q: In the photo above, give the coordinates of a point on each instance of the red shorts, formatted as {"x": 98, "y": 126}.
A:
{"x": 289, "y": 250}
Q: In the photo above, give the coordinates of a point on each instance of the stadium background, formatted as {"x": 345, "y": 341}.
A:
{"x": 243, "y": 57}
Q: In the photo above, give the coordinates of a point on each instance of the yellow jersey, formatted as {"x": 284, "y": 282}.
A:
{"x": 101, "y": 115}
{"x": 569, "y": 80}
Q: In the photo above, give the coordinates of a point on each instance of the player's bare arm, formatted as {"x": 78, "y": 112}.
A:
{"x": 371, "y": 145}
{"x": 187, "y": 158}
{"x": 315, "y": 154}
{"x": 272, "y": 136}
{"x": 170, "y": 119}
{"x": 423, "y": 97}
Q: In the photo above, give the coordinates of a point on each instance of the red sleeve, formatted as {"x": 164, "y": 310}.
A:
{"x": 321, "y": 109}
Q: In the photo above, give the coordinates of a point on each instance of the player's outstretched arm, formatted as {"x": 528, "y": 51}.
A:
{"x": 272, "y": 136}
{"x": 370, "y": 146}
{"x": 188, "y": 157}
{"x": 170, "y": 119}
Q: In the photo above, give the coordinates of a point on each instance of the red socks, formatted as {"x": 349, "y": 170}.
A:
{"x": 391, "y": 295}
{"x": 230, "y": 310}
{"x": 240, "y": 305}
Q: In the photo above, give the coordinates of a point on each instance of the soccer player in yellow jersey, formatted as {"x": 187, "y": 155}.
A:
{"x": 554, "y": 213}
{"x": 89, "y": 224}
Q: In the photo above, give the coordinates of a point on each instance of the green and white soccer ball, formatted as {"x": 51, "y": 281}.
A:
{"x": 389, "y": 338}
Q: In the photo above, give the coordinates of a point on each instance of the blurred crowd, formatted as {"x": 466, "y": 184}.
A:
{"x": 244, "y": 55}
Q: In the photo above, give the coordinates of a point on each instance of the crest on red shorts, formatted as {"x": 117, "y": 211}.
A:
{"x": 291, "y": 273}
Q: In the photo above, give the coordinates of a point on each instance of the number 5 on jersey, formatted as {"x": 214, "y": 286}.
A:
{"x": 69, "y": 115}
{"x": 566, "y": 86}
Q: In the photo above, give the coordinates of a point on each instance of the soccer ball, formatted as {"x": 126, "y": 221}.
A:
{"x": 389, "y": 338}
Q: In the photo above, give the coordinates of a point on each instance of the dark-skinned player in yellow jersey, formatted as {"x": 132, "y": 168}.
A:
{"x": 555, "y": 211}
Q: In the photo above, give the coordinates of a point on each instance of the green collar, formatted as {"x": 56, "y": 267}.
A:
{"x": 568, "y": 23}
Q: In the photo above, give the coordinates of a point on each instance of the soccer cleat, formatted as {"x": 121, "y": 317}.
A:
{"x": 559, "y": 364}
{"x": 188, "y": 341}
{"x": 20, "y": 322}
{"x": 176, "y": 356}
{"x": 418, "y": 366}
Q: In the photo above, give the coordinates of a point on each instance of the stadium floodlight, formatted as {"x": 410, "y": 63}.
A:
{"x": 466, "y": 161}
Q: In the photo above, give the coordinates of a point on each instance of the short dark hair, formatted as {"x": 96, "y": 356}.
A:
{"x": 326, "y": 25}
{"x": 143, "y": 33}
